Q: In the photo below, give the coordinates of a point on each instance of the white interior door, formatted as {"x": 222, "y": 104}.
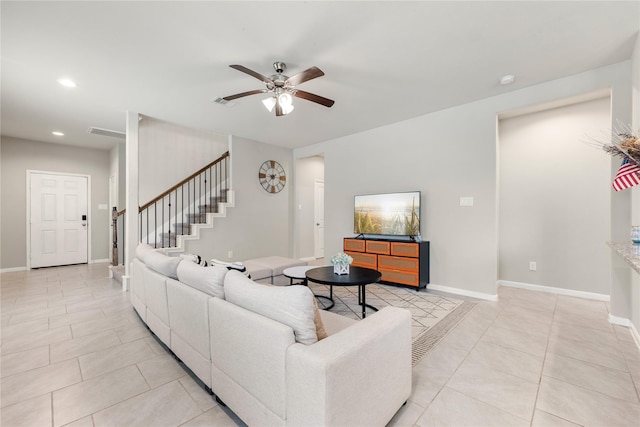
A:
{"x": 318, "y": 236}
{"x": 58, "y": 219}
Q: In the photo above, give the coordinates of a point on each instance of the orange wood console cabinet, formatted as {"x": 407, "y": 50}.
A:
{"x": 400, "y": 262}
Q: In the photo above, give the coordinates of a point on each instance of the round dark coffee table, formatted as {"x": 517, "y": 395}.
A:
{"x": 358, "y": 276}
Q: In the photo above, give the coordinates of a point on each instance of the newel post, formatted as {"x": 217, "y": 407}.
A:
{"x": 114, "y": 251}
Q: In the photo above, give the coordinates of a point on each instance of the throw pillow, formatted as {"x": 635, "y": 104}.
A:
{"x": 163, "y": 264}
{"x": 209, "y": 280}
{"x": 195, "y": 258}
{"x": 289, "y": 305}
{"x": 238, "y": 266}
{"x": 320, "y": 332}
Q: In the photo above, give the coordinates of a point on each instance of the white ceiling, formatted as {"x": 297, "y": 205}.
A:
{"x": 384, "y": 61}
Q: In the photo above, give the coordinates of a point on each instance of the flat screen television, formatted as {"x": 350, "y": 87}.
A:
{"x": 392, "y": 214}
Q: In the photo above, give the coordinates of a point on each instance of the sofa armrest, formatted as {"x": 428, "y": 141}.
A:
{"x": 360, "y": 376}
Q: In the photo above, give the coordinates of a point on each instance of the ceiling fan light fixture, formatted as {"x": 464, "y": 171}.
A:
{"x": 285, "y": 99}
{"x": 286, "y": 109}
{"x": 269, "y": 103}
{"x": 282, "y": 88}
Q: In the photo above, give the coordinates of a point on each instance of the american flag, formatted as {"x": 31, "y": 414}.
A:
{"x": 628, "y": 175}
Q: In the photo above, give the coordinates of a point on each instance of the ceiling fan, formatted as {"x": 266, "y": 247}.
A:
{"x": 283, "y": 88}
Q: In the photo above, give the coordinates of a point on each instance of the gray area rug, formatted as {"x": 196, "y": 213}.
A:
{"x": 433, "y": 315}
{"x": 424, "y": 342}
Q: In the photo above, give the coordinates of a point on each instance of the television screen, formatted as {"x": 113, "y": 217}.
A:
{"x": 396, "y": 214}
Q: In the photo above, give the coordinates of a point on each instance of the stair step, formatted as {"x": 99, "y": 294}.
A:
{"x": 199, "y": 218}
{"x": 182, "y": 228}
{"x": 219, "y": 199}
{"x": 212, "y": 208}
{"x": 167, "y": 240}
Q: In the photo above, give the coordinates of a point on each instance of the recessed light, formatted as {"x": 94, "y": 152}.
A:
{"x": 66, "y": 82}
{"x": 57, "y": 133}
{"x": 507, "y": 79}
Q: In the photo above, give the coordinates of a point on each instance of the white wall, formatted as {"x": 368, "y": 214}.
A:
{"x": 168, "y": 153}
{"x": 19, "y": 155}
{"x": 633, "y": 294}
{"x": 117, "y": 168}
{"x": 446, "y": 155}
{"x": 555, "y": 198}
{"x": 308, "y": 171}
{"x": 258, "y": 224}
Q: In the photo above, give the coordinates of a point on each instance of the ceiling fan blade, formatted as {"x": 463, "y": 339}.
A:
{"x": 251, "y": 73}
{"x": 240, "y": 95}
{"x": 304, "y": 76}
{"x": 313, "y": 98}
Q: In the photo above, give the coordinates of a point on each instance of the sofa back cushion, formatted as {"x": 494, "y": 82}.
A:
{"x": 142, "y": 250}
{"x": 209, "y": 280}
{"x": 163, "y": 264}
{"x": 290, "y": 305}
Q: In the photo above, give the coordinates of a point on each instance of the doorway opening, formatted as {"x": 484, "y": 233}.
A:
{"x": 309, "y": 203}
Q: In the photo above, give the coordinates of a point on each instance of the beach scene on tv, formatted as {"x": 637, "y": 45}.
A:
{"x": 393, "y": 214}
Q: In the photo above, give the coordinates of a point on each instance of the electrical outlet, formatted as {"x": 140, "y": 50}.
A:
{"x": 230, "y": 254}
{"x": 532, "y": 265}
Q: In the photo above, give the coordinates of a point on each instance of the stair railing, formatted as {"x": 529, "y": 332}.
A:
{"x": 170, "y": 214}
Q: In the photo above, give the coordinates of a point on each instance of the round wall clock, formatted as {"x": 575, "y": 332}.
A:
{"x": 271, "y": 176}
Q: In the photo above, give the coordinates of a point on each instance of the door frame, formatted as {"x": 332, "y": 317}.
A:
{"x": 30, "y": 172}
{"x": 316, "y": 191}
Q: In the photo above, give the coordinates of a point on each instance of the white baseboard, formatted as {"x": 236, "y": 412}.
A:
{"x": 622, "y": 321}
{"x": 635, "y": 334}
{"x": 558, "y": 291}
{"x": 126, "y": 283}
{"x": 464, "y": 292}
{"x": 11, "y": 270}
{"x": 310, "y": 258}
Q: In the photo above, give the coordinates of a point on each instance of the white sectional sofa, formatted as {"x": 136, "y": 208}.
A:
{"x": 256, "y": 346}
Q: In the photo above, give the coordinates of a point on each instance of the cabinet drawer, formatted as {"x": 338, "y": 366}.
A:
{"x": 397, "y": 263}
{"x": 403, "y": 277}
{"x": 361, "y": 259}
{"x": 405, "y": 249}
{"x": 354, "y": 245}
{"x": 378, "y": 247}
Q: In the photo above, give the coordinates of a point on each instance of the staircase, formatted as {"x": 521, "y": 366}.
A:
{"x": 174, "y": 242}
{"x": 178, "y": 214}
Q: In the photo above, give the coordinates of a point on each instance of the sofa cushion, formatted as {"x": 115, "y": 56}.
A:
{"x": 209, "y": 280}
{"x": 163, "y": 264}
{"x": 291, "y": 305}
{"x": 142, "y": 250}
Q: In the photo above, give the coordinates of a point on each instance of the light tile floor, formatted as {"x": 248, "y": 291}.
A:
{"x": 74, "y": 353}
